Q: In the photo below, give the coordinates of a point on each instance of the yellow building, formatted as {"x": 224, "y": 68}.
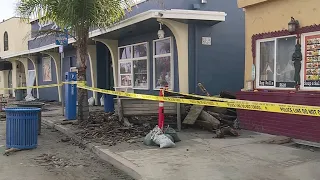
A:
{"x": 14, "y": 36}
{"x": 274, "y": 31}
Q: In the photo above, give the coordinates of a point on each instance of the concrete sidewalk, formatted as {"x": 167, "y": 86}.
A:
{"x": 201, "y": 157}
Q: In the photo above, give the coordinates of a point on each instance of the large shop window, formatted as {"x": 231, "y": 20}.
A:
{"x": 133, "y": 66}
{"x": 312, "y": 61}
{"x": 274, "y": 62}
{"x": 163, "y": 63}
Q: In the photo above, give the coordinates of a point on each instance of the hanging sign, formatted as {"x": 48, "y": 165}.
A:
{"x": 253, "y": 72}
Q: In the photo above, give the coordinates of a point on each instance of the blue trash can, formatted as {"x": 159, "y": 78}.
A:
{"x": 108, "y": 103}
{"x": 22, "y": 127}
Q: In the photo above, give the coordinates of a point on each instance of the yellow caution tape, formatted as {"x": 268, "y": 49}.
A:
{"x": 237, "y": 104}
{"x": 206, "y": 101}
{"x": 201, "y": 97}
{"x": 43, "y": 86}
{"x": 33, "y": 87}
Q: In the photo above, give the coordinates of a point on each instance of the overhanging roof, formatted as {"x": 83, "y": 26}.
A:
{"x": 180, "y": 15}
{"x": 246, "y": 3}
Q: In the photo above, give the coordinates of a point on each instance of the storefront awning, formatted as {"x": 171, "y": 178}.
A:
{"x": 184, "y": 16}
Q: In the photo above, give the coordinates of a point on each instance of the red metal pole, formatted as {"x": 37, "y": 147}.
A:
{"x": 161, "y": 110}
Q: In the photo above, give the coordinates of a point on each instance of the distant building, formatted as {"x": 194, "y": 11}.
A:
{"x": 269, "y": 48}
{"x": 202, "y": 42}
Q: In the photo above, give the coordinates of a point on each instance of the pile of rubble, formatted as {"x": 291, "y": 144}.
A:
{"x": 105, "y": 128}
{"x": 221, "y": 121}
{"x": 50, "y": 160}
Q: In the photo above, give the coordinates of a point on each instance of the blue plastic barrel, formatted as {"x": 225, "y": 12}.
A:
{"x": 22, "y": 127}
{"x": 108, "y": 103}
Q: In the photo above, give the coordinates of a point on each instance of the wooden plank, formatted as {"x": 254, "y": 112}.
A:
{"x": 155, "y": 103}
{"x": 215, "y": 123}
{"x": 125, "y": 102}
{"x": 147, "y": 109}
{"x": 193, "y": 114}
{"x": 148, "y": 105}
{"x": 128, "y": 113}
{"x": 120, "y": 110}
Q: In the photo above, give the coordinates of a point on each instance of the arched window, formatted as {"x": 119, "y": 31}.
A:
{"x": 5, "y": 41}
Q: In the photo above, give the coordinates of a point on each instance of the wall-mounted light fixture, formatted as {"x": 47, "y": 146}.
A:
{"x": 204, "y": 1}
{"x": 161, "y": 33}
{"x": 293, "y": 25}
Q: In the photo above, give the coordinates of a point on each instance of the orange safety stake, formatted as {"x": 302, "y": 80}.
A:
{"x": 161, "y": 110}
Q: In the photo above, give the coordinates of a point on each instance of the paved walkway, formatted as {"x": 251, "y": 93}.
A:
{"x": 54, "y": 160}
{"x": 201, "y": 157}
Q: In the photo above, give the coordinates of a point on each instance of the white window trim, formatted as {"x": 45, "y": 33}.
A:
{"x": 171, "y": 54}
{"x": 303, "y": 49}
{"x": 131, "y": 61}
{"x": 257, "y": 63}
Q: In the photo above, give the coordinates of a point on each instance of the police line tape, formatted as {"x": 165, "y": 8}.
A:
{"x": 201, "y": 97}
{"x": 237, "y": 104}
{"x": 206, "y": 101}
{"x": 41, "y": 86}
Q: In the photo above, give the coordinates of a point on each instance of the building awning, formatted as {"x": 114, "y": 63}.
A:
{"x": 184, "y": 16}
{"x": 246, "y": 3}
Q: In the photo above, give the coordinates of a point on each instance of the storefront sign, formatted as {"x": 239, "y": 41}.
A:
{"x": 285, "y": 84}
{"x": 62, "y": 38}
{"x": 206, "y": 41}
{"x": 312, "y": 63}
{"x": 266, "y": 83}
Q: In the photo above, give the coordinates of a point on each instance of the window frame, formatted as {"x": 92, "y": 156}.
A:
{"x": 171, "y": 55}
{"x": 257, "y": 64}
{"x": 5, "y": 41}
{"x": 131, "y": 60}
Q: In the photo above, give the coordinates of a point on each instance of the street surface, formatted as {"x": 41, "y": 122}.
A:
{"x": 54, "y": 159}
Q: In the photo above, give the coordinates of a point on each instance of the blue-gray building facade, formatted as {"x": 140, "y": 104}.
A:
{"x": 219, "y": 66}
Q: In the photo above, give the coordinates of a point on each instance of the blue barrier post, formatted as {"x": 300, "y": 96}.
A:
{"x": 71, "y": 96}
{"x": 108, "y": 103}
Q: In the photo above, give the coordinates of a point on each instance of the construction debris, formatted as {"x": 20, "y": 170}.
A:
{"x": 105, "y": 128}
{"x": 221, "y": 121}
{"x": 193, "y": 114}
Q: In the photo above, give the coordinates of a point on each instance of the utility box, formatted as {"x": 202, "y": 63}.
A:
{"x": 71, "y": 96}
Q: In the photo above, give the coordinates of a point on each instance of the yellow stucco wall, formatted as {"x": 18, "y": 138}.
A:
{"x": 18, "y": 33}
{"x": 274, "y": 15}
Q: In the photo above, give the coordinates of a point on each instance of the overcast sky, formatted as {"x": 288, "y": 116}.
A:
{"x": 7, "y": 9}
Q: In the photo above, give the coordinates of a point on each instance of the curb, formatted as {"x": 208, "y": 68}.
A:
{"x": 104, "y": 154}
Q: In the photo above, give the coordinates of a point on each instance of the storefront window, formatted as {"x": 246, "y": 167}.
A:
{"x": 266, "y": 63}
{"x": 275, "y": 63}
{"x": 163, "y": 63}
{"x": 133, "y": 66}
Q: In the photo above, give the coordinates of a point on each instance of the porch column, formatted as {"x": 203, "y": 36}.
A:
{"x": 92, "y": 51}
{"x": 180, "y": 32}
{"x": 56, "y": 59}
{"x": 113, "y": 48}
{"x": 4, "y": 81}
{"x": 14, "y": 75}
